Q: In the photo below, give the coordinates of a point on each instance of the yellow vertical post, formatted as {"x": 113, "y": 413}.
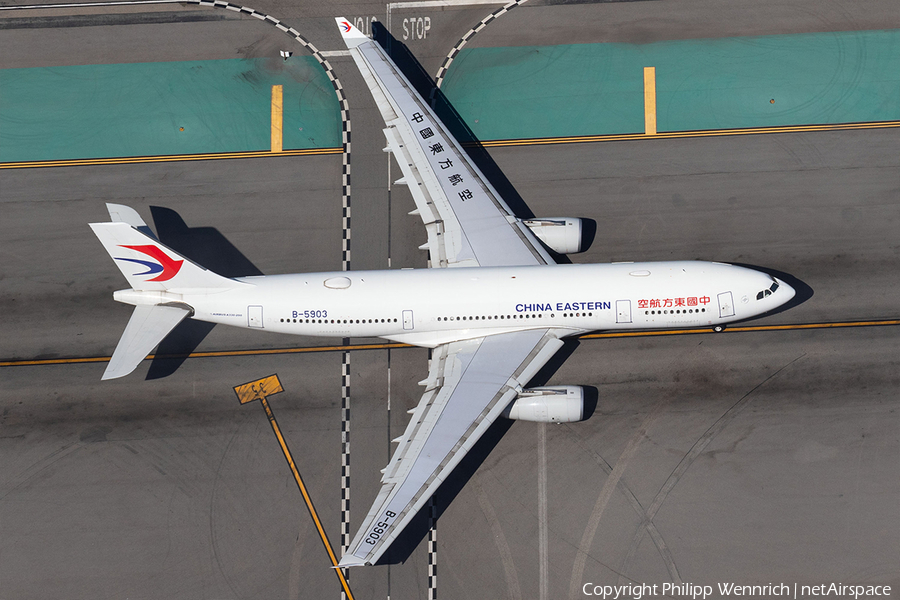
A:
{"x": 277, "y": 117}
{"x": 650, "y": 100}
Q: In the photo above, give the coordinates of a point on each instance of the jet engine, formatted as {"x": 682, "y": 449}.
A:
{"x": 563, "y": 235}
{"x": 552, "y": 404}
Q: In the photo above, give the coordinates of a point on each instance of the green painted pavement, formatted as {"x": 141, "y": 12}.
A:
{"x": 100, "y": 111}
{"x": 594, "y": 89}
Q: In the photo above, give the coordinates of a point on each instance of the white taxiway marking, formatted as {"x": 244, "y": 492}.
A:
{"x": 88, "y": 4}
{"x": 543, "y": 529}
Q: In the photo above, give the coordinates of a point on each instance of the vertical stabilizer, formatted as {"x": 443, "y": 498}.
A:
{"x": 149, "y": 265}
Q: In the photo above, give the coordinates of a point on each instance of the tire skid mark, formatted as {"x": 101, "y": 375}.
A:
{"x": 32, "y": 471}
{"x": 614, "y": 476}
{"x": 682, "y": 467}
{"x": 226, "y": 571}
{"x": 514, "y": 590}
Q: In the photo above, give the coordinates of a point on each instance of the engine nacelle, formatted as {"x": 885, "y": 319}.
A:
{"x": 553, "y": 404}
{"x": 563, "y": 235}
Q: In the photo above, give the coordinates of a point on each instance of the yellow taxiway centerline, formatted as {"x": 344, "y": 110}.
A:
{"x": 744, "y": 329}
{"x": 624, "y": 137}
{"x": 130, "y": 160}
{"x": 395, "y": 345}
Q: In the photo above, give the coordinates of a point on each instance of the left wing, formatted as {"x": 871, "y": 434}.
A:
{"x": 469, "y": 384}
{"x": 468, "y": 223}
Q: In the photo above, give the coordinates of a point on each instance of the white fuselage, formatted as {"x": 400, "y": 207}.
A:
{"x": 428, "y": 307}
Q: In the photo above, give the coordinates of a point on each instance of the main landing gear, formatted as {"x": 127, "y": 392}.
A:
{"x": 718, "y": 328}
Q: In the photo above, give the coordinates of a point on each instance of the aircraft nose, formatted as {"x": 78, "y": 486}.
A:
{"x": 785, "y": 291}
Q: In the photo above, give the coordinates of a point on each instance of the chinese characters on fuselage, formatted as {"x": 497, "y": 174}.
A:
{"x": 673, "y": 302}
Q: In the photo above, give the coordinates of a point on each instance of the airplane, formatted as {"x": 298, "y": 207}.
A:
{"x": 493, "y": 305}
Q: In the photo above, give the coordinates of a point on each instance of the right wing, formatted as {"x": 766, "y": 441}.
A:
{"x": 469, "y": 385}
{"x": 467, "y": 222}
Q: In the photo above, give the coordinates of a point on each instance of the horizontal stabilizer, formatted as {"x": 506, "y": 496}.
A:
{"x": 146, "y": 329}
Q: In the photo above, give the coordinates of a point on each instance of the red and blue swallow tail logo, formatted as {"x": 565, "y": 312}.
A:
{"x": 345, "y": 26}
{"x": 164, "y": 265}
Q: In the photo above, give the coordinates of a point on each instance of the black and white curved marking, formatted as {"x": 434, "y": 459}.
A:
{"x": 345, "y": 241}
{"x": 442, "y": 72}
{"x": 342, "y": 100}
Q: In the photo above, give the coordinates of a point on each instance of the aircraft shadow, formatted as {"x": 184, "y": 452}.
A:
{"x": 410, "y": 538}
{"x": 425, "y": 85}
{"x": 207, "y": 247}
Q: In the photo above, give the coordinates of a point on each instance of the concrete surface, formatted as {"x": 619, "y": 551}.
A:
{"x": 743, "y": 457}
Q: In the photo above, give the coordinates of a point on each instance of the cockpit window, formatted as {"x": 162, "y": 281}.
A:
{"x": 768, "y": 292}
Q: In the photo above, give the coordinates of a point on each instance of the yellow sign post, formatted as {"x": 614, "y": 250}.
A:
{"x": 259, "y": 390}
